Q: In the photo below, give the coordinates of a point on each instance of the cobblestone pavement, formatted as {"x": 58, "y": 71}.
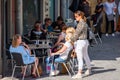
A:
{"x": 105, "y": 60}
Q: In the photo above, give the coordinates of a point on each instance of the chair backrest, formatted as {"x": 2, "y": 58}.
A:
{"x": 8, "y": 53}
{"x": 17, "y": 57}
{"x": 69, "y": 55}
{"x": 45, "y": 42}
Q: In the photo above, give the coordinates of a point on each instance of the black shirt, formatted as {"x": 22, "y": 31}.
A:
{"x": 99, "y": 6}
{"x": 35, "y": 36}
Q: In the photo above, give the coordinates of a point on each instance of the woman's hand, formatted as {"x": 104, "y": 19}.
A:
{"x": 61, "y": 43}
{"x": 25, "y": 45}
{"x": 52, "y": 54}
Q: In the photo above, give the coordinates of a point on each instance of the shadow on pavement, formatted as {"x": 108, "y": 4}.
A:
{"x": 100, "y": 71}
{"x": 108, "y": 50}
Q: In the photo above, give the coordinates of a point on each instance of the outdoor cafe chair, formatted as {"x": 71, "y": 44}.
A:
{"x": 17, "y": 57}
{"x": 67, "y": 63}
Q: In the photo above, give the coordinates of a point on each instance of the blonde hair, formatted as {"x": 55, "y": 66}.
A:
{"x": 70, "y": 30}
{"x": 14, "y": 40}
{"x": 70, "y": 34}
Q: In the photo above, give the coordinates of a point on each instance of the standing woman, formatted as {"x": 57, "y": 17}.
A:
{"x": 81, "y": 44}
{"x": 110, "y": 10}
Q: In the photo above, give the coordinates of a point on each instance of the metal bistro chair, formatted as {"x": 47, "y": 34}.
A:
{"x": 10, "y": 61}
{"x": 17, "y": 57}
{"x": 93, "y": 36}
{"x": 68, "y": 62}
{"x": 97, "y": 35}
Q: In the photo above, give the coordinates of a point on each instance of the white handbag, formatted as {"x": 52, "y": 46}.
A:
{"x": 110, "y": 17}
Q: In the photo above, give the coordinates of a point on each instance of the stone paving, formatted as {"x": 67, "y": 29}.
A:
{"x": 105, "y": 60}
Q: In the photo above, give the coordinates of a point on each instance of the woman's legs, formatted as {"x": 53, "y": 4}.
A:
{"x": 107, "y": 25}
{"x": 87, "y": 60}
{"x": 82, "y": 52}
{"x": 86, "y": 57}
{"x": 79, "y": 52}
{"x": 36, "y": 64}
{"x": 112, "y": 25}
{"x": 55, "y": 61}
{"x": 98, "y": 28}
{"x": 53, "y": 69}
{"x": 80, "y": 60}
{"x": 23, "y": 69}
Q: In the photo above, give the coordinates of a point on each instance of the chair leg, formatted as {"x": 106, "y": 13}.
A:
{"x": 43, "y": 59}
{"x": 99, "y": 38}
{"x": 72, "y": 62}
{"x": 34, "y": 52}
{"x": 71, "y": 68}
{"x": 13, "y": 71}
{"x": 76, "y": 62}
{"x": 12, "y": 62}
{"x": 24, "y": 72}
{"x": 67, "y": 69}
{"x": 95, "y": 40}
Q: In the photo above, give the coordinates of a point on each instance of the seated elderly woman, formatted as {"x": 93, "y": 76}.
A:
{"x": 62, "y": 54}
{"x": 21, "y": 47}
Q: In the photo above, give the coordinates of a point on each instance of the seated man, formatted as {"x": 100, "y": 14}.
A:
{"x": 20, "y": 47}
{"x": 37, "y": 32}
{"x": 57, "y": 24}
{"x": 47, "y": 26}
{"x": 62, "y": 54}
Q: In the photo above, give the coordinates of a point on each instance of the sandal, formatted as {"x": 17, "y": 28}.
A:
{"x": 34, "y": 75}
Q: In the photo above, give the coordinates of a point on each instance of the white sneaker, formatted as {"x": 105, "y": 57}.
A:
{"x": 57, "y": 72}
{"x": 113, "y": 34}
{"x": 106, "y": 34}
{"x": 53, "y": 73}
{"x": 88, "y": 72}
{"x": 77, "y": 76}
